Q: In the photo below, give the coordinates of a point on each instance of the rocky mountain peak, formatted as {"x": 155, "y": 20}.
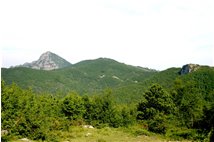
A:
{"x": 46, "y": 56}
{"x": 188, "y": 68}
{"x": 48, "y": 61}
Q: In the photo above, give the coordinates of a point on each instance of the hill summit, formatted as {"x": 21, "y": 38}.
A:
{"x": 47, "y": 61}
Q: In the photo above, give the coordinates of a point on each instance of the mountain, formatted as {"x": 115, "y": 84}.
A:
{"x": 48, "y": 61}
{"x": 93, "y": 76}
{"x": 128, "y": 83}
{"x": 84, "y": 77}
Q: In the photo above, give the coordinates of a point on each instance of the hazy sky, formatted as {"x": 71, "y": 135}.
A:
{"x": 150, "y": 33}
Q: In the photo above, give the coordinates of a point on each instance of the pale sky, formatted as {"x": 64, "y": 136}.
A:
{"x": 156, "y": 34}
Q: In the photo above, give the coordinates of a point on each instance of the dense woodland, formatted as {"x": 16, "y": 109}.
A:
{"x": 84, "y": 77}
{"x": 175, "y": 106}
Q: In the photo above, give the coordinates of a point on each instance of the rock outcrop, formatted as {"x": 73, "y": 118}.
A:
{"x": 48, "y": 61}
{"x": 189, "y": 68}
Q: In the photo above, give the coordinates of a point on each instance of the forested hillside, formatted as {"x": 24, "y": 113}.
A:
{"x": 107, "y": 95}
{"x": 84, "y": 77}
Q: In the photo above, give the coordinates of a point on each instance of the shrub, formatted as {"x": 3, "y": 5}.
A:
{"x": 141, "y": 132}
{"x": 101, "y": 140}
{"x": 183, "y": 133}
{"x": 158, "y": 124}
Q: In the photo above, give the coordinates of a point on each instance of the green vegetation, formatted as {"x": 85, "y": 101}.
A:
{"x": 39, "y": 117}
{"x": 155, "y": 108}
{"x": 84, "y": 77}
{"x": 162, "y": 106}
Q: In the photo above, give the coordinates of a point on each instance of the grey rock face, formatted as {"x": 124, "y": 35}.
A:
{"x": 48, "y": 61}
{"x": 189, "y": 68}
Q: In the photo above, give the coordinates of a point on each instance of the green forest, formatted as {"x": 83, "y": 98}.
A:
{"x": 183, "y": 113}
{"x": 165, "y": 104}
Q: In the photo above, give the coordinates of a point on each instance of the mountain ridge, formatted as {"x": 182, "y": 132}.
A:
{"x": 88, "y": 75}
{"x": 91, "y": 76}
{"x": 127, "y": 84}
{"x": 52, "y": 61}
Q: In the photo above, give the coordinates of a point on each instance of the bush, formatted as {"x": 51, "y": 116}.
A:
{"x": 73, "y": 106}
{"x": 158, "y": 124}
{"x": 141, "y": 132}
{"x": 185, "y": 133}
{"x": 5, "y": 138}
{"x": 101, "y": 140}
{"x": 210, "y": 136}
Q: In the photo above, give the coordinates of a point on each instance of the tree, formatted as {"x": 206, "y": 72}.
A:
{"x": 104, "y": 110}
{"x": 157, "y": 100}
{"x": 22, "y": 114}
{"x": 191, "y": 108}
{"x": 178, "y": 91}
{"x": 155, "y": 108}
{"x": 73, "y": 106}
{"x": 191, "y": 105}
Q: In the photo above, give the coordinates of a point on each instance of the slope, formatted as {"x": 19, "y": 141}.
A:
{"x": 202, "y": 79}
{"x": 83, "y": 77}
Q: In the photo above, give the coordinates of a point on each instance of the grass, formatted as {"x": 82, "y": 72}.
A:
{"x": 79, "y": 134}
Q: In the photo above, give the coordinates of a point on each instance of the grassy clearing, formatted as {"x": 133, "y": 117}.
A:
{"x": 80, "y": 134}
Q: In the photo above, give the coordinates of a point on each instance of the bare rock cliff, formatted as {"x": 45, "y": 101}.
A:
{"x": 188, "y": 68}
{"x": 48, "y": 61}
